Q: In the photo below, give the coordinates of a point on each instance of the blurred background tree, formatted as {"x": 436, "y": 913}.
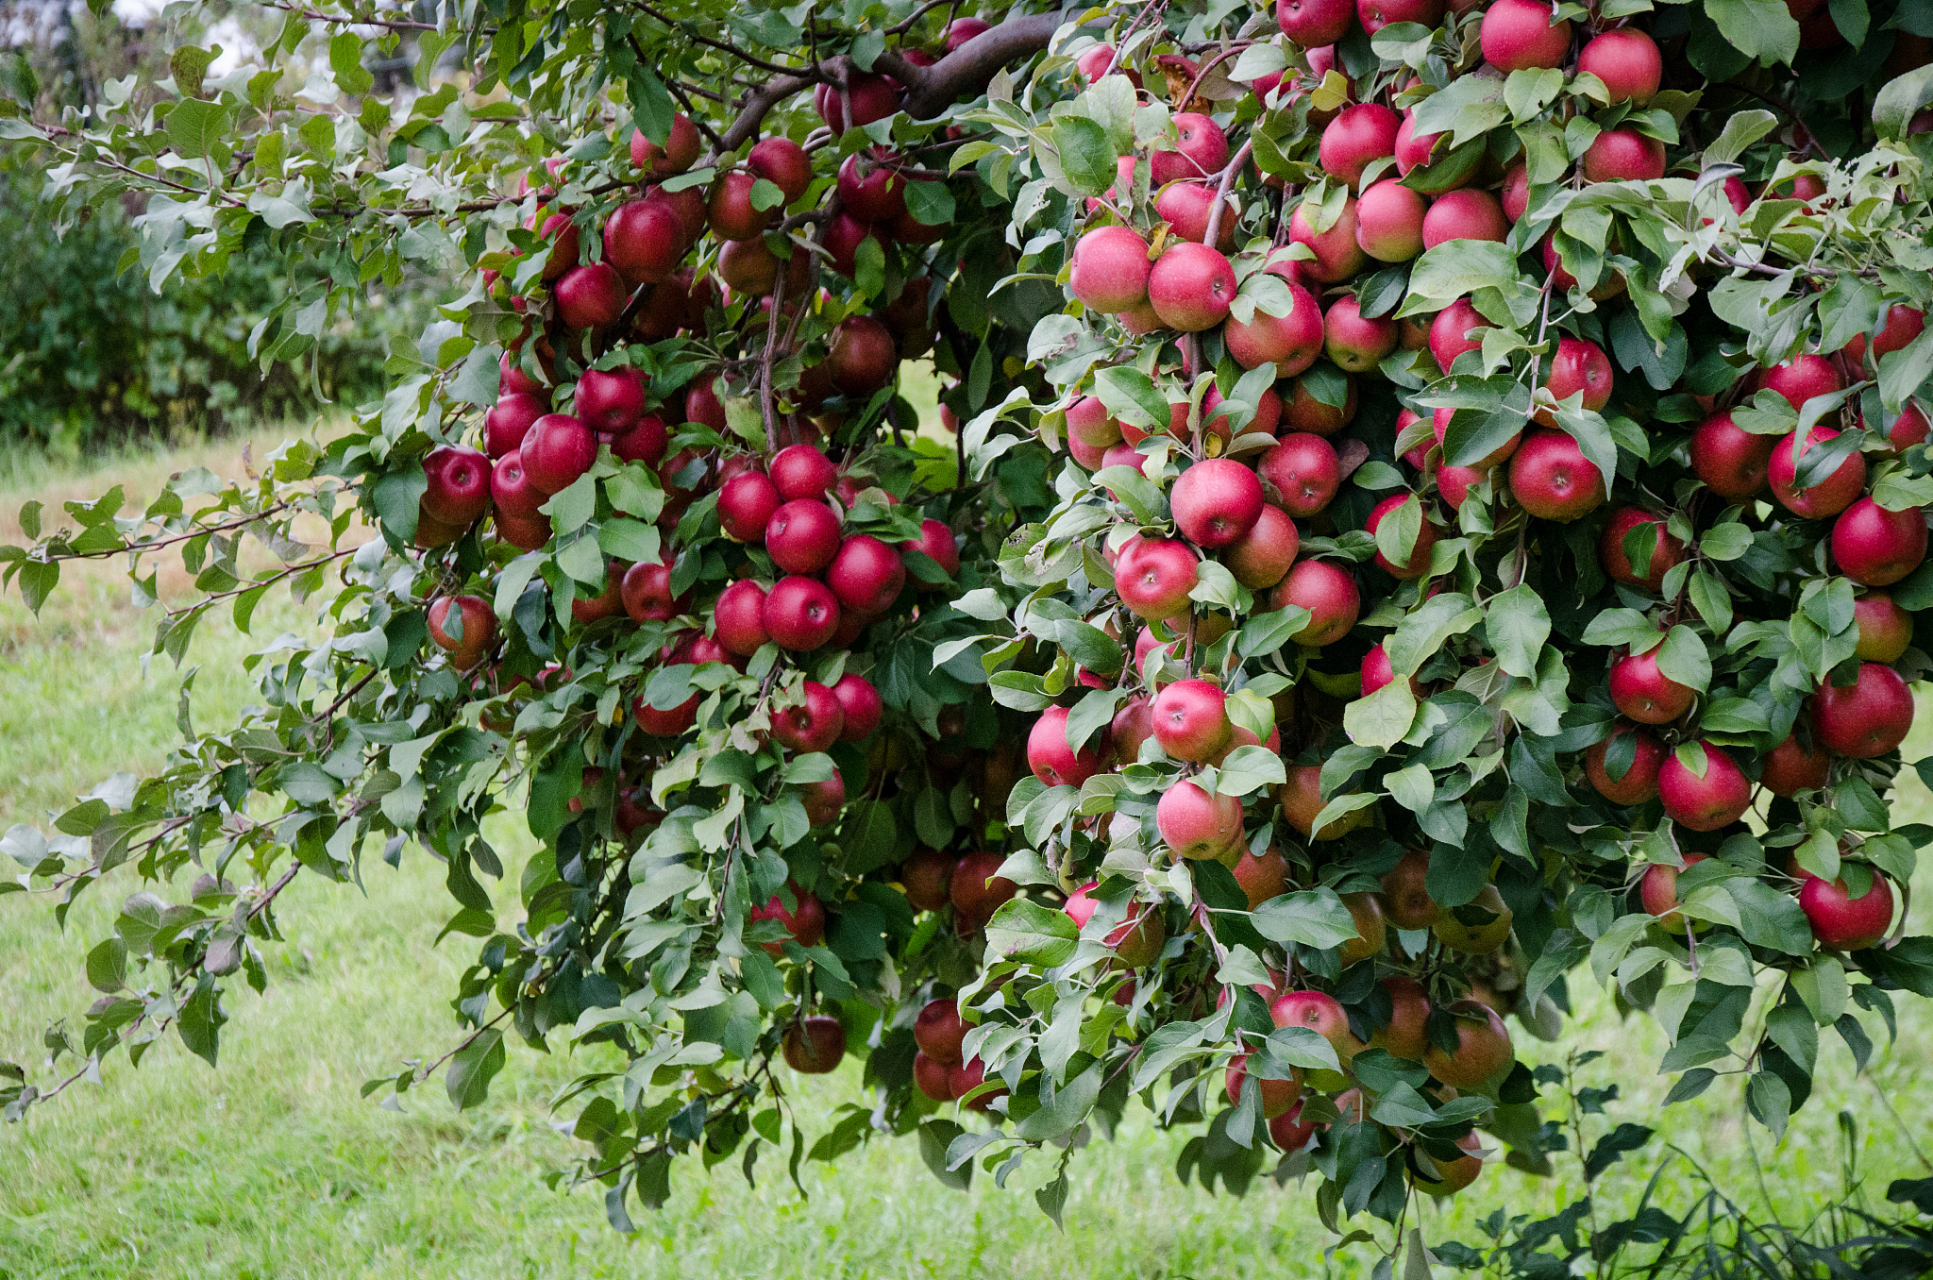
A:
{"x": 90, "y": 355}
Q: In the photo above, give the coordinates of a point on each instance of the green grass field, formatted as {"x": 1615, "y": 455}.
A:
{"x": 273, "y": 1166}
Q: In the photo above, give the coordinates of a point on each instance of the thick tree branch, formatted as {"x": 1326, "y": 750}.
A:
{"x": 931, "y": 90}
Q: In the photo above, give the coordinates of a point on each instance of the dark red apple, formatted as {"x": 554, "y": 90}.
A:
{"x": 866, "y": 575}
{"x": 1190, "y": 720}
{"x": 1553, "y": 480}
{"x": 1417, "y": 563}
{"x": 738, "y": 618}
{"x": 609, "y": 401}
{"x": 1843, "y": 922}
{"x": 1639, "y": 782}
{"x": 812, "y": 723}
{"x": 1871, "y": 545}
{"x": 1865, "y": 719}
{"x": 1730, "y": 460}
{"x": 800, "y": 613}
{"x": 1643, "y": 693}
{"x": 1790, "y": 768}
{"x": 589, "y": 297}
{"x": 558, "y": 449}
{"x": 1457, "y": 330}
{"x": 802, "y": 536}
{"x": 509, "y": 421}
{"x": 1466, "y": 214}
{"x": 1328, "y": 592}
{"x": 458, "y": 490}
{"x": 468, "y": 636}
{"x": 644, "y": 240}
{"x": 1666, "y": 550}
{"x": 1828, "y": 497}
{"x": 1704, "y": 803}
{"x": 1623, "y": 155}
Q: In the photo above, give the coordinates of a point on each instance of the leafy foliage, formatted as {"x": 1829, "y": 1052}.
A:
{"x": 1412, "y": 806}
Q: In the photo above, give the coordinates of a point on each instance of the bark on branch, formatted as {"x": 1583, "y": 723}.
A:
{"x": 929, "y": 90}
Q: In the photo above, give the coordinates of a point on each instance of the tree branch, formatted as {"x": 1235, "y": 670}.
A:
{"x": 931, "y": 90}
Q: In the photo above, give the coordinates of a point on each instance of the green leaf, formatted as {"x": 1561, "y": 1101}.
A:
{"x": 1313, "y": 917}
{"x": 345, "y": 59}
{"x": 1383, "y": 718}
{"x": 1069, "y": 1107}
{"x": 1455, "y": 269}
{"x": 196, "y": 128}
{"x": 1425, "y": 629}
{"x": 1086, "y": 156}
{"x": 201, "y": 1019}
{"x": 1031, "y": 934}
{"x": 1517, "y": 624}
{"x": 1761, "y": 29}
{"x": 1683, "y": 658}
{"x": 472, "y": 1068}
{"x": 1129, "y": 395}
{"x": 1896, "y": 104}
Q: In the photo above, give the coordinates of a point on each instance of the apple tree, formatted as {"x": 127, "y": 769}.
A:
{"x": 1427, "y": 507}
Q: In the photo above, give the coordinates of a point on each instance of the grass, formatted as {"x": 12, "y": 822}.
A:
{"x": 274, "y": 1166}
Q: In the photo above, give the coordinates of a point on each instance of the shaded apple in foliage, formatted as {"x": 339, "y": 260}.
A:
{"x": 1456, "y": 330}
{"x": 1355, "y": 342}
{"x": 509, "y": 421}
{"x": 1483, "y": 1050}
{"x": 1355, "y": 139}
{"x": 814, "y": 1046}
{"x": 1328, "y": 592}
{"x": 976, "y": 889}
{"x": 1480, "y": 937}
{"x": 589, "y": 297}
{"x": 1417, "y": 562}
{"x": 1885, "y": 629}
{"x": 1638, "y": 783}
{"x": 1055, "y": 762}
{"x": 804, "y": 921}
{"x": 1658, "y": 891}
{"x": 1137, "y": 940}
{"x": 1623, "y": 155}
{"x": 1466, "y": 214}
{"x": 646, "y": 593}
{"x": 1666, "y": 550}
{"x": 469, "y": 634}
{"x": 680, "y": 151}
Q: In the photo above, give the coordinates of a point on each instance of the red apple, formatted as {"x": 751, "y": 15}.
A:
{"x": 1355, "y": 139}
{"x": 1136, "y": 941}
{"x": 1624, "y": 155}
{"x": 1553, "y": 480}
{"x": 805, "y": 921}
{"x": 1110, "y": 270}
{"x": 557, "y": 451}
{"x": 871, "y": 97}
{"x": 927, "y": 877}
{"x": 1190, "y": 720}
{"x": 1196, "y": 824}
{"x": 1790, "y": 768}
{"x": 1873, "y": 546}
{"x": 646, "y": 592}
{"x": 1519, "y": 35}
{"x": 802, "y": 536}
{"x": 1353, "y": 342}
{"x": 1417, "y": 564}
{"x": 1407, "y": 903}
{"x": 679, "y": 153}
{"x": 738, "y": 618}
{"x": 644, "y": 240}
{"x": 866, "y": 575}
{"x": 1466, "y": 214}
{"x": 1639, "y": 783}
{"x": 1828, "y": 497}
{"x": 509, "y": 421}
{"x": 1456, "y": 331}
{"x": 800, "y": 613}
{"x": 1260, "y": 557}
{"x": 1717, "y": 799}
{"x": 1201, "y": 151}
{"x": 1153, "y": 577}
{"x": 1666, "y": 550}
{"x": 783, "y": 163}
{"x": 1291, "y": 342}
{"x": 1190, "y": 287}
{"x": 1328, "y": 592}
{"x": 745, "y": 504}
{"x": 468, "y": 636}
{"x": 860, "y": 708}
{"x": 1627, "y": 61}
{"x": 1337, "y": 254}
{"x": 589, "y": 297}
{"x": 1640, "y": 691}
{"x": 1187, "y": 207}
{"x": 1483, "y": 1049}
{"x": 458, "y": 490}
{"x": 1310, "y": 23}
{"x": 1306, "y": 413}
{"x": 1405, "y": 1035}
{"x": 1216, "y": 501}
{"x": 1842, "y": 922}
{"x": 940, "y": 1031}
{"x": 1885, "y": 629}
{"x": 801, "y": 472}
{"x": 1301, "y": 473}
{"x": 1318, "y": 1012}
{"x": 1516, "y": 192}
{"x": 1730, "y": 460}
{"x": 936, "y": 542}
{"x": 1377, "y": 671}
{"x": 1658, "y": 891}
{"x": 1579, "y": 367}
{"x": 871, "y": 186}
{"x": 1275, "y": 1096}
{"x": 1389, "y": 221}
{"x": 976, "y": 889}
{"x": 811, "y": 724}
{"x": 1865, "y": 719}
{"x": 1802, "y": 378}
{"x": 814, "y": 1046}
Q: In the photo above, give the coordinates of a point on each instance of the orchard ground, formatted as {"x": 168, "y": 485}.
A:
{"x": 275, "y": 1166}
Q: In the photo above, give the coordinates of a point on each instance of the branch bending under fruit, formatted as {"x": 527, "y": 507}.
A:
{"x": 929, "y": 90}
